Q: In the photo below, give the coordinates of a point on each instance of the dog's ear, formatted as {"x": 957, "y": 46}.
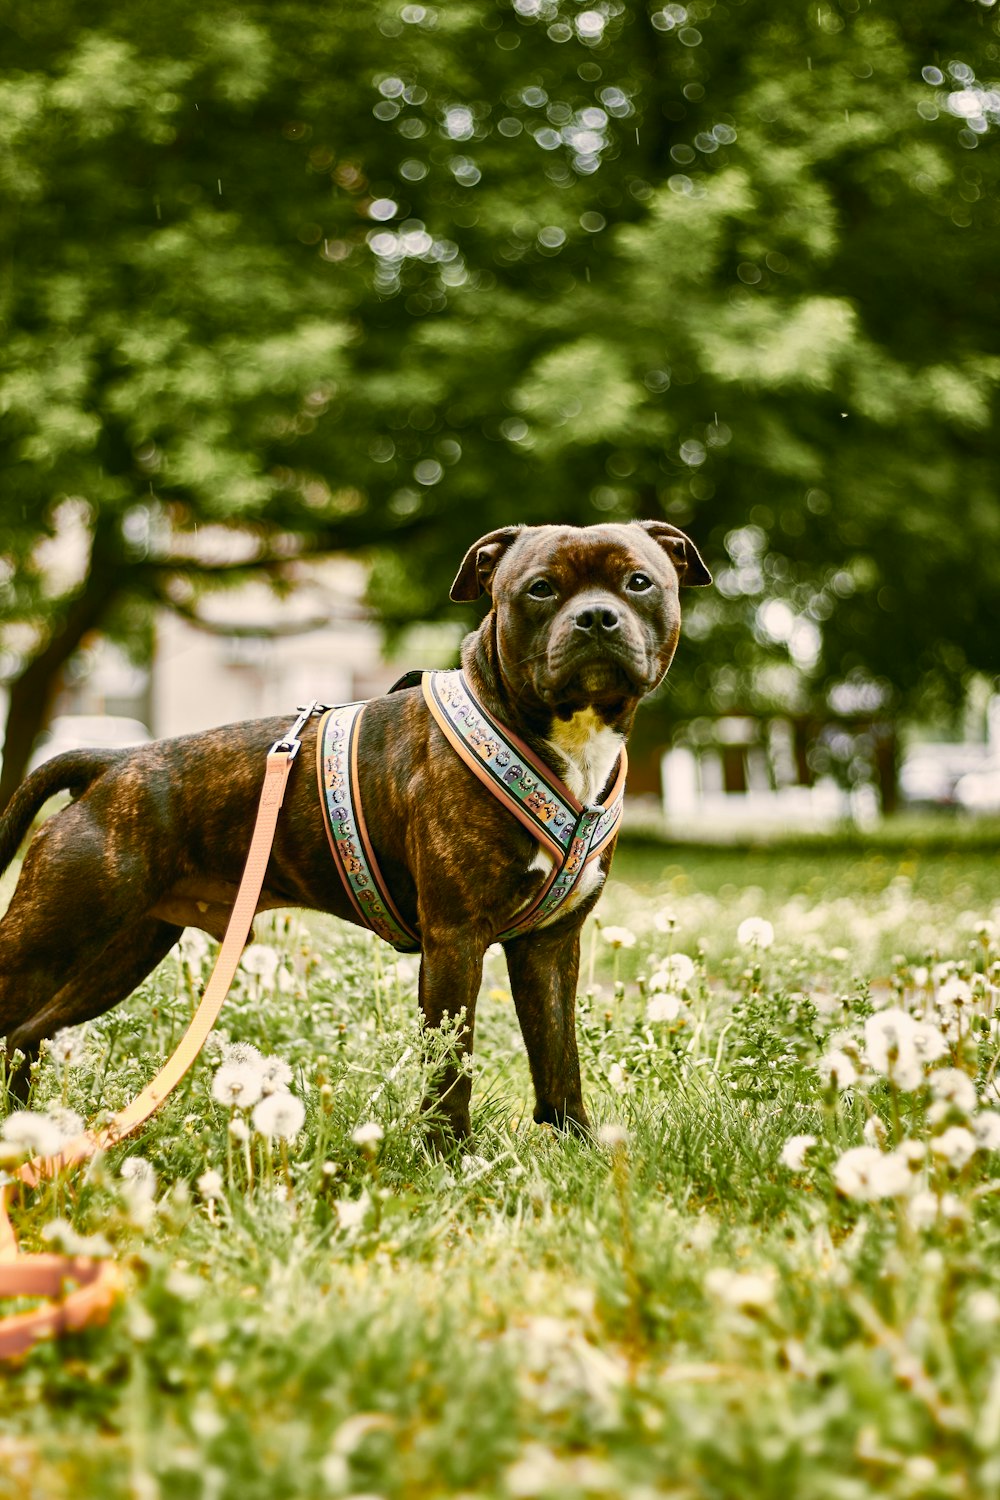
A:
{"x": 683, "y": 553}
{"x": 479, "y": 564}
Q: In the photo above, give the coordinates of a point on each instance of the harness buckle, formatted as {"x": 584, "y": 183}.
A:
{"x": 290, "y": 744}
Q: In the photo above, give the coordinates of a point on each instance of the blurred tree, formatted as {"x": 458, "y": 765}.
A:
{"x": 323, "y": 278}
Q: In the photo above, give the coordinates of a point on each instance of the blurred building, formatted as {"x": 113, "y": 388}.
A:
{"x": 255, "y": 654}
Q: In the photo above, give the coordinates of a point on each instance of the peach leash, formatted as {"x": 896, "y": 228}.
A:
{"x": 98, "y": 1282}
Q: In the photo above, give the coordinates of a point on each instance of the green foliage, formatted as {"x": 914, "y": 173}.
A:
{"x": 342, "y": 275}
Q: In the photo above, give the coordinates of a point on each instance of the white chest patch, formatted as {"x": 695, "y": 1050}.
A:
{"x": 589, "y": 749}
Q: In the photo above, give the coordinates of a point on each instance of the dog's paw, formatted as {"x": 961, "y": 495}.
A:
{"x": 571, "y": 1117}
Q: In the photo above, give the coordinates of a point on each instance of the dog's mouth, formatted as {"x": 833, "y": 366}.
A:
{"x": 599, "y": 682}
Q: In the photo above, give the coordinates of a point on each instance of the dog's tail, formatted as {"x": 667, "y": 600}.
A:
{"x": 72, "y": 772}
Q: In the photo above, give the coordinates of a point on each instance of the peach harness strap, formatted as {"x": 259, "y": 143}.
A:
{"x": 96, "y": 1283}
{"x": 571, "y": 832}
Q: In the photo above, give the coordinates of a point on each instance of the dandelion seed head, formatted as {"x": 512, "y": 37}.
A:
{"x": 368, "y": 1137}
{"x": 956, "y": 1146}
{"x": 673, "y": 973}
{"x": 242, "y": 1052}
{"x": 261, "y": 960}
{"x": 32, "y": 1132}
{"x": 955, "y": 1089}
{"x": 618, "y": 937}
{"x": 756, "y": 933}
{"x": 279, "y": 1116}
{"x": 664, "y": 1006}
{"x": 747, "y": 1291}
{"x": 955, "y": 994}
{"x": 211, "y": 1186}
{"x": 836, "y": 1069}
{"x": 795, "y": 1150}
{"x": 237, "y": 1084}
{"x": 866, "y": 1174}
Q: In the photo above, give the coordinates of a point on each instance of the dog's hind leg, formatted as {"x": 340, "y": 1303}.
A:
{"x": 109, "y": 978}
{"x": 81, "y": 888}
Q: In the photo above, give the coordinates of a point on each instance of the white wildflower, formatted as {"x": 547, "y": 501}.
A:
{"x": 616, "y": 1078}
{"x": 211, "y": 1186}
{"x": 921, "y": 977}
{"x": 66, "y": 1120}
{"x": 836, "y": 1068}
{"x": 794, "y": 1151}
{"x": 956, "y": 1145}
{"x": 888, "y": 1036}
{"x": 673, "y": 972}
{"x": 475, "y": 1166}
{"x": 139, "y": 1177}
{"x": 953, "y": 1210}
{"x": 665, "y": 920}
{"x": 237, "y": 1084}
{"x": 193, "y": 945}
{"x": 183, "y": 1285}
{"x": 664, "y": 1006}
{"x": 242, "y": 1052}
{"x": 867, "y": 1174}
{"x": 281, "y": 1115}
{"x": 275, "y": 1075}
{"x": 138, "y": 1188}
{"x": 68, "y": 1241}
{"x": 368, "y": 1137}
{"x": 33, "y": 1133}
{"x": 612, "y": 1136}
{"x": 750, "y": 1291}
{"x": 875, "y": 1132}
{"x": 618, "y": 937}
{"x": 928, "y": 1042}
{"x": 839, "y": 955}
{"x": 983, "y": 1307}
{"x": 261, "y": 960}
{"x": 922, "y": 1209}
{"x": 955, "y": 1089}
{"x": 954, "y": 995}
{"x": 66, "y": 1049}
{"x": 986, "y": 1128}
{"x": 239, "y": 1129}
{"x": 755, "y": 932}
{"x": 351, "y": 1212}
{"x": 912, "y": 1153}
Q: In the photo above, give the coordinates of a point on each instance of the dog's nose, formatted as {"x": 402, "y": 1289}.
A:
{"x": 597, "y": 618}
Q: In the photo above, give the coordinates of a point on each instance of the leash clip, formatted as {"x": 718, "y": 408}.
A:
{"x": 290, "y": 744}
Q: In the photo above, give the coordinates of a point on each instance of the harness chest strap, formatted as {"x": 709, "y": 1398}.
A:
{"x": 573, "y": 834}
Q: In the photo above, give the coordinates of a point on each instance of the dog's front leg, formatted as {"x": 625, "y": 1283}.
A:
{"x": 543, "y": 969}
{"x": 451, "y": 971}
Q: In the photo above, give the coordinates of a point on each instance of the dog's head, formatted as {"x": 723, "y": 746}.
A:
{"x": 585, "y": 616}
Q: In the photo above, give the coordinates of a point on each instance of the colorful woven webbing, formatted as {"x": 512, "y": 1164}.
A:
{"x": 337, "y": 768}
{"x": 573, "y": 834}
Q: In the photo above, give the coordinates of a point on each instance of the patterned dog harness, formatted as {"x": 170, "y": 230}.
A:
{"x": 571, "y": 832}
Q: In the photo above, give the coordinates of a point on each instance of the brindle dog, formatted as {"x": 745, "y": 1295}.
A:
{"x": 583, "y": 623}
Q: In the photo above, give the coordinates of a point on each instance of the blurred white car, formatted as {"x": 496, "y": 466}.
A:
{"x": 979, "y": 791}
{"x": 88, "y": 732}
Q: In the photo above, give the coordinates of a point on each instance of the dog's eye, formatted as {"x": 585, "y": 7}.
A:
{"x": 639, "y": 583}
{"x": 541, "y": 589}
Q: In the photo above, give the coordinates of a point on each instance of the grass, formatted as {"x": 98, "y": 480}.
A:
{"x": 673, "y": 1312}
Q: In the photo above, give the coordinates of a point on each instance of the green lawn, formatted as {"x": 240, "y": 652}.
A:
{"x": 672, "y": 1311}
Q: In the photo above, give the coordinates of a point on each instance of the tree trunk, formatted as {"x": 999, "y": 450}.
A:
{"x": 887, "y": 767}
{"x": 33, "y": 692}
